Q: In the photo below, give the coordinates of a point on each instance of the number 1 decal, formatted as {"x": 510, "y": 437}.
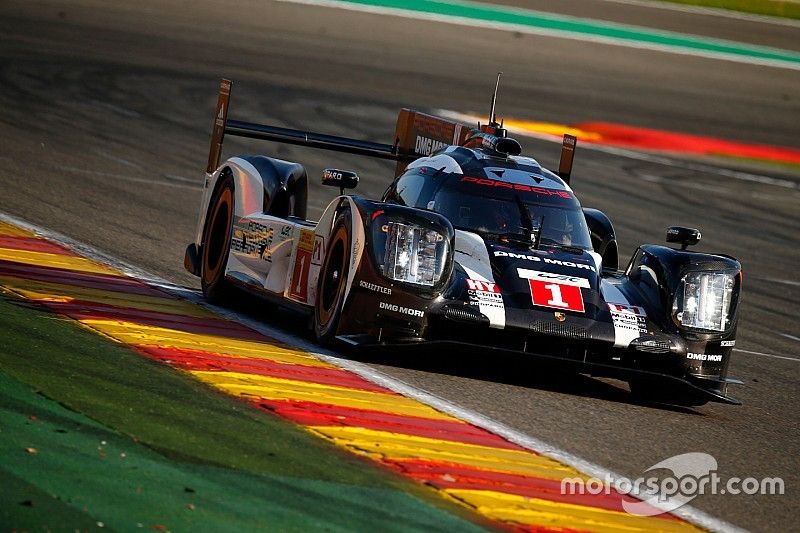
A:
{"x": 555, "y": 290}
{"x": 298, "y": 290}
{"x": 557, "y": 301}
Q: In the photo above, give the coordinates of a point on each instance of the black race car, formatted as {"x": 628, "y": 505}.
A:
{"x": 471, "y": 244}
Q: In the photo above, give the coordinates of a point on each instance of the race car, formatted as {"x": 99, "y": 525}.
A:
{"x": 472, "y": 244}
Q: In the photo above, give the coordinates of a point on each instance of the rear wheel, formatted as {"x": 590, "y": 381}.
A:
{"x": 216, "y": 244}
{"x": 332, "y": 282}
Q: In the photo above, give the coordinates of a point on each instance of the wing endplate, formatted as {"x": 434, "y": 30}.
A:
{"x": 419, "y": 134}
{"x": 220, "y": 119}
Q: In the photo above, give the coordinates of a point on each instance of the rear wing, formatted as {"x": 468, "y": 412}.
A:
{"x": 416, "y": 135}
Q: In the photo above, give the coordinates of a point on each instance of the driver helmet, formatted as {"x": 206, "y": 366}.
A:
{"x": 562, "y": 229}
{"x": 503, "y": 219}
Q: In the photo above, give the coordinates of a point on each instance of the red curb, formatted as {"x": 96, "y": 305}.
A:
{"x": 196, "y": 360}
{"x": 83, "y": 310}
{"x": 633, "y": 137}
{"x": 108, "y": 282}
{"x": 455, "y": 476}
{"x": 319, "y": 414}
{"x": 34, "y": 244}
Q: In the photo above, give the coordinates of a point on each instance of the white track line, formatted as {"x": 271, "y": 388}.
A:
{"x": 767, "y": 355}
{"x": 561, "y": 34}
{"x": 686, "y": 512}
{"x": 711, "y": 11}
{"x": 783, "y": 281}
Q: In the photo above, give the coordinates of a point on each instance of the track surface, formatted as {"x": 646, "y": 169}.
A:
{"x": 105, "y": 123}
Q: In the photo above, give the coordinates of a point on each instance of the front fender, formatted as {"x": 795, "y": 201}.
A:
{"x": 654, "y": 280}
{"x": 385, "y": 304}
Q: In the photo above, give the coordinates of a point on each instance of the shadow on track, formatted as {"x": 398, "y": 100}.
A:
{"x": 472, "y": 363}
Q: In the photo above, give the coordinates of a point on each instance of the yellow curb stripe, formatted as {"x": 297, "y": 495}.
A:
{"x": 549, "y": 128}
{"x": 65, "y": 262}
{"x": 377, "y": 444}
{"x": 385, "y": 445}
{"x": 46, "y": 291}
{"x": 9, "y": 230}
{"x": 547, "y": 513}
{"x": 140, "y": 334}
{"x": 269, "y": 388}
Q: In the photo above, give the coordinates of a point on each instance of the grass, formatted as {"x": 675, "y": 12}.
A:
{"x": 91, "y": 433}
{"x": 773, "y": 8}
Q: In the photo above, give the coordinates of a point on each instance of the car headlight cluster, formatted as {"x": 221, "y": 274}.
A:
{"x": 413, "y": 254}
{"x": 703, "y": 301}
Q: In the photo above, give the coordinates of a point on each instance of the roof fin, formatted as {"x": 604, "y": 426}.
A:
{"x": 492, "y": 115}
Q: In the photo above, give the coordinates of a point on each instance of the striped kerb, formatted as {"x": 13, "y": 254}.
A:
{"x": 514, "y": 486}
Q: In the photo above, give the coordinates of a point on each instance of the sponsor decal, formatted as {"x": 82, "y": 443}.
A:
{"x": 726, "y": 344}
{"x": 555, "y": 290}
{"x": 549, "y": 277}
{"x": 401, "y": 310}
{"x": 516, "y": 186}
{"x": 486, "y": 296}
{"x": 374, "y": 287}
{"x": 254, "y": 240}
{"x": 319, "y": 250}
{"x": 298, "y": 289}
{"x": 331, "y": 174}
{"x": 427, "y": 146}
{"x": 354, "y": 253}
{"x": 435, "y": 127}
{"x": 483, "y": 286}
{"x": 630, "y": 322}
{"x": 703, "y": 356}
{"x": 545, "y": 260}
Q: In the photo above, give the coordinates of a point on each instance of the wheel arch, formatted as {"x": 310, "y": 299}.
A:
{"x": 604, "y": 240}
{"x": 338, "y": 206}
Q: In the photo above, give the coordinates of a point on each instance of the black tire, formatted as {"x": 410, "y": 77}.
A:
{"x": 332, "y": 282}
{"x": 216, "y": 244}
{"x": 644, "y": 391}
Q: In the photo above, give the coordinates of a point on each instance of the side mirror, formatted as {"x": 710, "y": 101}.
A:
{"x": 344, "y": 179}
{"x": 684, "y": 236}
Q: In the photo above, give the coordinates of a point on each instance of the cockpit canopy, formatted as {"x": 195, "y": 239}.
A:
{"x": 496, "y": 207}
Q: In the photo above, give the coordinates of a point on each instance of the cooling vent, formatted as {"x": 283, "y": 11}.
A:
{"x": 650, "y": 345}
{"x": 463, "y": 314}
{"x": 559, "y": 330}
{"x": 710, "y": 265}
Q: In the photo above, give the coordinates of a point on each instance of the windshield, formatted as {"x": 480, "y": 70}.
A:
{"x": 562, "y": 224}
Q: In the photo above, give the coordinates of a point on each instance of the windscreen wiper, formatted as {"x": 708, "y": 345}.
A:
{"x": 525, "y": 218}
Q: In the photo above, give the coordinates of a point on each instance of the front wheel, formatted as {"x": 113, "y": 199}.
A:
{"x": 332, "y": 282}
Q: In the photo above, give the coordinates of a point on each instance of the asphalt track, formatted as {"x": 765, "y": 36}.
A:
{"x": 105, "y": 119}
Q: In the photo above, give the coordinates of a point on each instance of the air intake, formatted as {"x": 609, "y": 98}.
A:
{"x": 555, "y": 329}
{"x": 464, "y": 314}
{"x": 650, "y": 345}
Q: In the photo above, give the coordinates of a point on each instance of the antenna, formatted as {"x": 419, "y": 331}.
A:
{"x": 492, "y": 116}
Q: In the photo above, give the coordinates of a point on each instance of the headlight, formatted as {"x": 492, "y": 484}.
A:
{"x": 705, "y": 301}
{"x": 414, "y": 254}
